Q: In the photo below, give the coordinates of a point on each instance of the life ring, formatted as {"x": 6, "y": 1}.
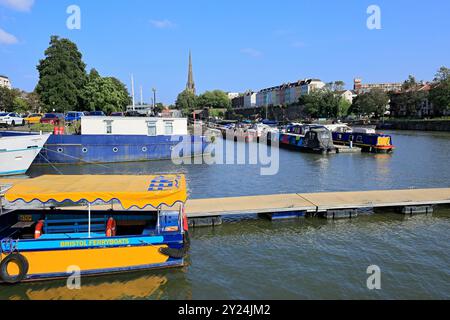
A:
{"x": 38, "y": 230}
{"x": 22, "y": 265}
{"x": 111, "y": 228}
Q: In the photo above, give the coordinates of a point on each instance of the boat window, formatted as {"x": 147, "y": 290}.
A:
{"x": 151, "y": 128}
{"x": 108, "y": 124}
{"x": 168, "y": 127}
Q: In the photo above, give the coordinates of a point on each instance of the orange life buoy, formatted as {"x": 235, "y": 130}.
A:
{"x": 38, "y": 230}
{"x": 185, "y": 221}
{"x": 111, "y": 228}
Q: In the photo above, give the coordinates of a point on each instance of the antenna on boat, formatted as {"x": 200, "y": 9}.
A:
{"x": 132, "y": 90}
{"x": 142, "y": 98}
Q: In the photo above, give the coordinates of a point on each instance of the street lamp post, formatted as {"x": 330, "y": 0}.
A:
{"x": 154, "y": 98}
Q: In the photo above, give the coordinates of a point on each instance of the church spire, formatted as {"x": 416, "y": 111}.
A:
{"x": 190, "y": 84}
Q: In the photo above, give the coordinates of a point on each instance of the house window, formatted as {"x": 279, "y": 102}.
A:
{"x": 168, "y": 125}
{"x": 151, "y": 128}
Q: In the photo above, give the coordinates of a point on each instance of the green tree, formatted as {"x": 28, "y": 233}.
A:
{"x": 439, "y": 94}
{"x": 159, "y": 107}
{"x": 105, "y": 94}
{"x": 339, "y": 85}
{"x": 7, "y": 97}
{"x": 440, "y": 97}
{"x": 407, "y": 103}
{"x": 410, "y": 84}
{"x": 344, "y": 107}
{"x": 34, "y": 102}
{"x": 216, "y": 99}
{"x": 20, "y": 105}
{"x": 62, "y": 76}
{"x": 186, "y": 102}
{"x": 373, "y": 102}
{"x": 443, "y": 74}
{"x": 320, "y": 104}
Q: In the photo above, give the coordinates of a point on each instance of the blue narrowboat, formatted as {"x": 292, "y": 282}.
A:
{"x": 365, "y": 138}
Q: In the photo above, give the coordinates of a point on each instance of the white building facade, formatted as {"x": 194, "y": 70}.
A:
{"x": 134, "y": 126}
{"x": 5, "y": 82}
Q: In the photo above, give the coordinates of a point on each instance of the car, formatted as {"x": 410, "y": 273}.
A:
{"x": 117, "y": 114}
{"x": 33, "y": 118}
{"x": 133, "y": 114}
{"x": 11, "y": 119}
{"x": 97, "y": 114}
{"x": 73, "y": 116}
{"x": 52, "y": 118}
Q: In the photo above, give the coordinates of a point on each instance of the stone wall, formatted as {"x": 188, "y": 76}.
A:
{"x": 419, "y": 125}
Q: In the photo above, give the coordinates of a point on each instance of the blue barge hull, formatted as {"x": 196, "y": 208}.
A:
{"x": 79, "y": 149}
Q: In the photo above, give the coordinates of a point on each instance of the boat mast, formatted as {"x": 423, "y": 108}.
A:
{"x": 132, "y": 90}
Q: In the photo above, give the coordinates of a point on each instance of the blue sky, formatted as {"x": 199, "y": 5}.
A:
{"x": 236, "y": 45}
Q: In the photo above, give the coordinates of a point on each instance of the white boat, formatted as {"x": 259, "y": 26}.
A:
{"x": 17, "y": 153}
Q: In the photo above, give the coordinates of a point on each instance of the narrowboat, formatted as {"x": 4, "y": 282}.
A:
{"x": 307, "y": 138}
{"x": 365, "y": 138}
{"x": 51, "y": 241}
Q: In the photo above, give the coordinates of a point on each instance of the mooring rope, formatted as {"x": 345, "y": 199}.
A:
{"x": 72, "y": 157}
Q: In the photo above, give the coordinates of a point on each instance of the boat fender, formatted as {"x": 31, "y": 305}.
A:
{"x": 38, "y": 230}
{"x": 111, "y": 228}
{"x": 22, "y": 264}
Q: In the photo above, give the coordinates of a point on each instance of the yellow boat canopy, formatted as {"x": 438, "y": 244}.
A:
{"x": 130, "y": 191}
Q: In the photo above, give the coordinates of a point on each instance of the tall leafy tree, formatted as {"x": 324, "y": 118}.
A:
{"x": 440, "y": 92}
{"x": 187, "y": 102}
{"x": 373, "y": 102}
{"x": 440, "y": 97}
{"x": 7, "y": 97}
{"x": 216, "y": 99}
{"x": 105, "y": 94}
{"x": 62, "y": 76}
{"x": 443, "y": 74}
{"x": 320, "y": 104}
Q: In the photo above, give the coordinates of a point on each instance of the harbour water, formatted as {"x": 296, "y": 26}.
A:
{"x": 251, "y": 258}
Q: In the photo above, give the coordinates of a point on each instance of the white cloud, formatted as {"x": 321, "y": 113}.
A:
{"x": 162, "y": 24}
{"x": 7, "y": 38}
{"x": 19, "y": 5}
{"x": 252, "y": 52}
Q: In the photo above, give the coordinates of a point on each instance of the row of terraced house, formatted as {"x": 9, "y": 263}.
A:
{"x": 285, "y": 94}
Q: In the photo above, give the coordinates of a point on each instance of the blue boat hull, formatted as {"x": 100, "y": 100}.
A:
{"x": 79, "y": 149}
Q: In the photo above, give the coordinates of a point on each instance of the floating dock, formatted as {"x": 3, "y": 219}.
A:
{"x": 328, "y": 205}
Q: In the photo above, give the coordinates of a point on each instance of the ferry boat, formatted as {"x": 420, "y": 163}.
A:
{"x": 123, "y": 139}
{"x": 149, "y": 231}
{"x": 307, "y": 138}
{"x": 17, "y": 153}
{"x": 365, "y": 138}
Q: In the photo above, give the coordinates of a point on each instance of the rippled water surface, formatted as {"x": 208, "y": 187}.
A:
{"x": 251, "y": 258}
